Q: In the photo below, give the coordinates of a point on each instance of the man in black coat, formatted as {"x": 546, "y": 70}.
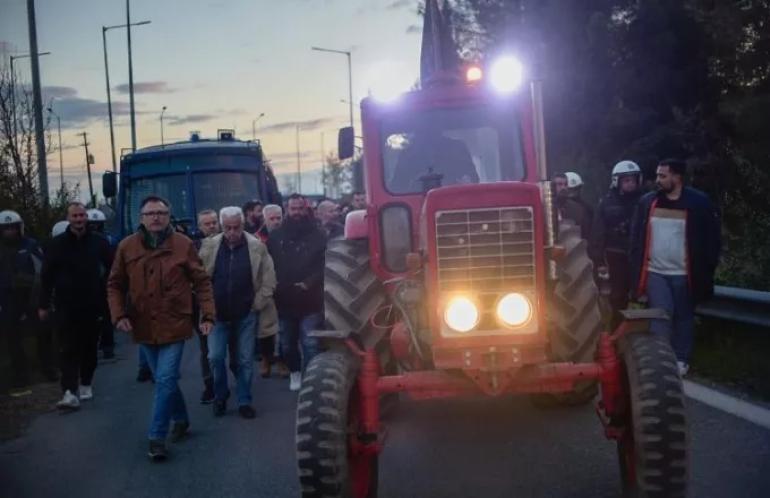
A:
{"x": 675, "y": 245}
{"x": 74, "y": 277}
{"x": 298, "y": 250}
{"x": 611, "y": 230}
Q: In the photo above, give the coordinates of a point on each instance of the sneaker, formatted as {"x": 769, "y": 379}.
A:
{"x": 144, "y": 375}
{"x": 86, "y": 393}
{"x": 283, "y": 370}
{"x": 683, "y": 368}
{"x": 179, "y": 431}
{"x": 68, "y": 402}
{"x": 295, "y": 381}
{"x": 220, "y": 407}
{"x": 264, "y": 368}
{"x": 207, "y": 396}
{"x": 246, "y": 411}
{"x": 157, "y": 451}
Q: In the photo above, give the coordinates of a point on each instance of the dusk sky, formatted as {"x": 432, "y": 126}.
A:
{"x": 214, "y": 64}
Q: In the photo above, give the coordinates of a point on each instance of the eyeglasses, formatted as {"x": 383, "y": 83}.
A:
{"x": 152, "y": 214}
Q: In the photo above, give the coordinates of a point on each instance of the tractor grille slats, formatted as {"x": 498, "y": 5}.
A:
{"x": 486, "y": 251}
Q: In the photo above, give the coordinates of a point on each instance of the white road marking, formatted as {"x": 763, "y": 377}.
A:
{"x": 734, "y": 406}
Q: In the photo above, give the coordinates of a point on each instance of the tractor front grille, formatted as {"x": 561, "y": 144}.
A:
{"x": 486, "y": 252}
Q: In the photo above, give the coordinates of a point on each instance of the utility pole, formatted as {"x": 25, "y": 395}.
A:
{"x": 130, "y": 77}
{"x": 162, "y": 142}
{"x": 61, "y": 158}
{"x": 42, "y": 169}
{"x": 89, "y": 160}
{"x": 299, "y": 166}
{"x": 254, "y": 126}
{"x": 323, "y": 166}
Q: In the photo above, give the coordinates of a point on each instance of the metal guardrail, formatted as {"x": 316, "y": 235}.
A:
{"x": 738, "y": 305}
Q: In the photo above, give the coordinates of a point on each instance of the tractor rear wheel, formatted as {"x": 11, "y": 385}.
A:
{"x": 328, "y": 432}
{"x": 652, "y": 451}
{"x": 574, "y": 315}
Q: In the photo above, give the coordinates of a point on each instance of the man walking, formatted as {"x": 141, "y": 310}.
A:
{"x": 570, "y": 204}
{"x": 298, "y": 249}
{"x": 20, "y": 259}
{"x": 675, "y": 245}
{"x": 252, "y": 211}
{"x": 611, "y": 230}
{"x": 150, "y": 291}
{"x": 328, "y": 213}
{"x": 268, "y": 319}
{"x": 96, "y": 222}
{"x": 74, "y": 274}
{"x": 243, "y": 279}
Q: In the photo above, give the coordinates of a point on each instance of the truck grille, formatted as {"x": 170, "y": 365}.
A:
{"x": 486, "y": 252}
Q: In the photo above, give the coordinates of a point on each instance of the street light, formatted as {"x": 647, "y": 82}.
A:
{"x": 107, "y": 78}
{"x": 61, "y": 159}
{"x": 162, "y": 142}
{"x": 254, "y": 125}
{"x": 350, "y": 74}
{"x": 13, "y": 92}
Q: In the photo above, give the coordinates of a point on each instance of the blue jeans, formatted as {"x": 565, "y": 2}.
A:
{"x": 671, "y": 293}
{"x": 294, "y": 332}
{"x": 168, "y": 405}
{"x": 244, "y": 333}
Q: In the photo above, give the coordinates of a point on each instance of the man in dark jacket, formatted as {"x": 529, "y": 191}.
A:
{"x": 20, "y": 258}
{"x": 150, "y": 292}
{"x": 569, "y": 203}
{"x": 298, "y": 248}
{"x": 328, "y": 214}
{"x": 675, "y": 245}
{"x": 611, "y": 230}
{"x": 74, "y": 274}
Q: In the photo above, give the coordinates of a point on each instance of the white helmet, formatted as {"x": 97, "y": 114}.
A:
{"x": 9, "y": 217}
{"x": 59, "y": 228}
{"x": 96, "y": 216}
{"x": 625, "y": 168}
{"x": 573, "y": 180}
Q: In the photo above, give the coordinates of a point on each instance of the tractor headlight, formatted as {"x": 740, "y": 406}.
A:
{"x": 506, "y": 74}
{"x": 514, "y": 309}
{"x": 461, "y": 314}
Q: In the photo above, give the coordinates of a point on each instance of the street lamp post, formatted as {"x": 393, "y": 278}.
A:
{"x": 350, "y": 74}
{"x": 107, "y": 78}
{"x": 13, "y": 92}
{"x": 61, "y": 158}
{"x": 299, "y": 166}
{"x": 254, "y": 125}
{"x": 162, "y": 142}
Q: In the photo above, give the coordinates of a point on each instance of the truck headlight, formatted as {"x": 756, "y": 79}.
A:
{"x": 461, "y": 314}
{"x": 514, "y": 309}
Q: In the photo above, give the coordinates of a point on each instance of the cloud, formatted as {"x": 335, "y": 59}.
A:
{"x": 58, "y": 92}
{"x": 308, "y": 125}
{"x": 146, "y": 87}
{"x": 75, "y": 111}
{"x": 400, "y": 4}
{"x": 414, "y": 30}
{"x": 190, "y": 118}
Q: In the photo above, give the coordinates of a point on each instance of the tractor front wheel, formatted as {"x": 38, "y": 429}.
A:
{"x": 652, "y": 451}
{"x": 332, "y": 459}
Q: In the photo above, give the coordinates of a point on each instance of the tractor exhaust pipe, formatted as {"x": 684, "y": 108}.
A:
{"x": 546, "y": 192}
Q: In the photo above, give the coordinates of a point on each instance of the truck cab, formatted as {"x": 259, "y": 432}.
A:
{"x": 192, "y": 175}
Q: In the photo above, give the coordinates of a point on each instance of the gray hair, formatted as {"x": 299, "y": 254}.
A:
{"x": 229, "y": 212}
{"x": 271, "y": 207}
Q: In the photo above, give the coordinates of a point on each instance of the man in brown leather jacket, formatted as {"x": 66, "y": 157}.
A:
{"x": 150, "y": 292}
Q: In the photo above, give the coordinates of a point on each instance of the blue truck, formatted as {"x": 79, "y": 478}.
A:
{"x": 192, "y": 175}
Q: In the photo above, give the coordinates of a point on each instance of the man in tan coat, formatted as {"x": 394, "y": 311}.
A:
{"x": 243, "y": 280}
{"x": 150, "y": 292}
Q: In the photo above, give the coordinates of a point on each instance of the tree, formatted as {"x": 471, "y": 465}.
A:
{"x": 337, "y": 177}
{"x": 19, "y": 186}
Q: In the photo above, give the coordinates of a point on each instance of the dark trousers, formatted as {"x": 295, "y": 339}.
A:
{"x": 11, "y": 327}
{"x": 78, "y": 339}
{"x": 208, "y": 377}
{"x": 266, "y": 348}
{"x": 107, "y": 336}
{"x": 620, "y": 282}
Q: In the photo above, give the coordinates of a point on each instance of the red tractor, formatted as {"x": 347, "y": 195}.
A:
{"x": 459, "y": 280}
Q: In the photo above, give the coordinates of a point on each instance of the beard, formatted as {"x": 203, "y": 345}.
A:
{"x": 297, "y": 225}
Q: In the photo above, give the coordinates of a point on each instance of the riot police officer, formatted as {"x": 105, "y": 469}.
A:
{"x": 611, "y": 231}
{"x": 96, "y": 221}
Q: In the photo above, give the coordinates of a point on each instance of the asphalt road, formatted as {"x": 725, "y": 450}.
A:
{"x": 476, "y": 448}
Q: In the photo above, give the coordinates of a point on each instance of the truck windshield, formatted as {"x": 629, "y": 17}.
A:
{"x": 210, "y": 190}
{"x": 464, "y": 145}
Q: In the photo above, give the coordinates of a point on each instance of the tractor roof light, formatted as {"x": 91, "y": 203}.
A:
{"x": 506, "y": 74}
{"x": 474, "y": 74}
{"x": 461, "y": 314}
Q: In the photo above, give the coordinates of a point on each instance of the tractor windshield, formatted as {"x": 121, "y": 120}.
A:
{"x": 453, "y": 146}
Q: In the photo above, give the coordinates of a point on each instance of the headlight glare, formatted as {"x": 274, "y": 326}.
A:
{"x": 461, "y": 314}
{"x": 514, "y": 309}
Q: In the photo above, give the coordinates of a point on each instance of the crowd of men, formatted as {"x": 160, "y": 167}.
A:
{"x": 254, "y": 274}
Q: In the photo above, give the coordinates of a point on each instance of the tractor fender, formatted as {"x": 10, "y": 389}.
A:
{"x": 356, "y": 225}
